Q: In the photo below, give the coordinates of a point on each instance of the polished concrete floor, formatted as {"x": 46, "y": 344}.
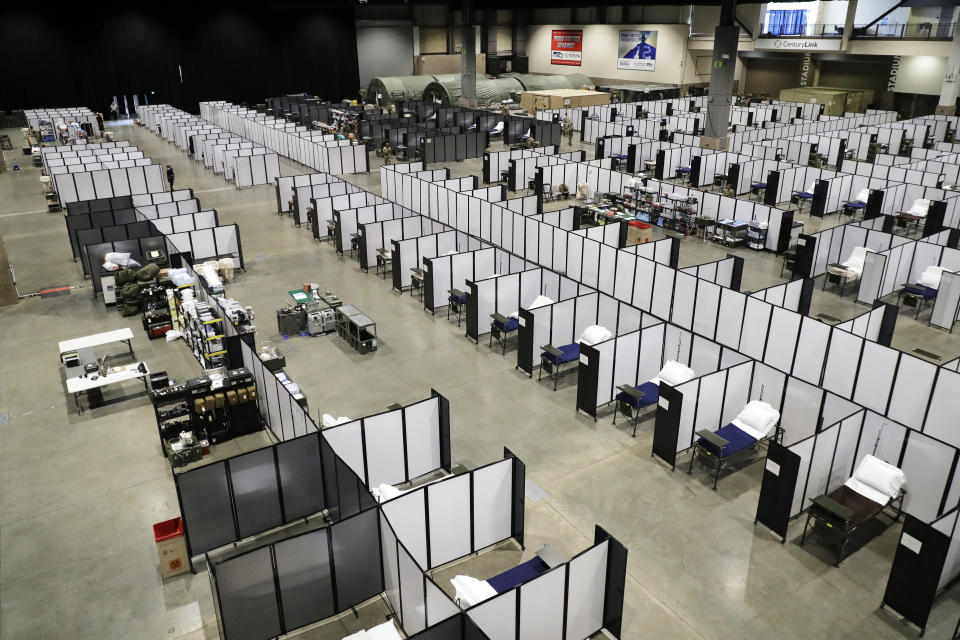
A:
{"x": 80, "y": 493}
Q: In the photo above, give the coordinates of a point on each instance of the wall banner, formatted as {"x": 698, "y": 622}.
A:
{"x": 637, "y": 50}
{"x": 566, "y": 47}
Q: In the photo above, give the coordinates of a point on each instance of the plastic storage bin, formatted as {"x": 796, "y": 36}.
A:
{"x": 171, "y": 547}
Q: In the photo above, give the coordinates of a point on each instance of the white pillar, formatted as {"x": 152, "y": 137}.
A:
{"x": 948, "y": 90}
{"x": 848, "y": 25}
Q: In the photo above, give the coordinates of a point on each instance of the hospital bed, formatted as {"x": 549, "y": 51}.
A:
{"x": 917, "y": 212}
{"x": 925, "y": 288}
{"x": 456, "y": 302}
{"x": 385, "y": 631}
{"x": 502, "y": 328}
{"x": 755, "y": 425}
{"x": 837, "y": 516}
{"x": 857, "y": 204}
{"x": 556, "y": 360}
{"x": 470, "y": 591}
{"x": 632, "y": 401}
{"x": 799, "y": 197}
{"x": 849, "y": 270}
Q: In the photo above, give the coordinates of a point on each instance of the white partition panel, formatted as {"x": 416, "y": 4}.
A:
{"x": 497, "y": 617}
{"x": 943, "y": 415}
{"x": 412, "y": 597}
{"x": 801, "y": 410}
{"x": 439, "y": 605}
{"x": 540, "y": 601}
{"x": 492, "y": 494}
{"x": 878, "y": 366}
{"x": 842, "y": 363}
{"x": 383, "y": 436}
{"x": 408, "y": 517}
{"x": 449, "y": 504}
{"x": 926, "y": 463}
{"x": 347, "y": 442}
{"x": 391, "y": 566}
{"x": 423, "y": 437}
{"x": 585, "y": 595}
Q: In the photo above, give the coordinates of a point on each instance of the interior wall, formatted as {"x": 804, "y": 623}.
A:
{"x": 384, "y": 50}
{"x": 207, "y": 54}
{"x": 600, "y": 44}
{"x": 433, "y": 39}
{"x": 770, "y": 75}
{"x": 921, "y": 74}
{"x": 855, "y": 75}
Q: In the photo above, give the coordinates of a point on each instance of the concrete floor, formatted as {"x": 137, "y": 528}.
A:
{"x": 80, "y": 493}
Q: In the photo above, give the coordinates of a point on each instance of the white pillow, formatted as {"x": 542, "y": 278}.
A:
{"x": 920, "y": 207}
{"x": 329, "y": 421}
{"x": 880, "y": 475}
{"x": 594, "y": 334}
{"x": 759, "y": 415}
{"x": 931, "y": 276}
{"x": 674, "y": 373}
{"x": 122, "y": 259}
{"x": 540, "y": 301}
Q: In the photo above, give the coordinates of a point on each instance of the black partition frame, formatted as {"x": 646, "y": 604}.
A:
{"x": 336, "y": 495}
{"x": 339, "y": 604}
{"x": 915, "y": 574}
{"x": 777, "y": 488}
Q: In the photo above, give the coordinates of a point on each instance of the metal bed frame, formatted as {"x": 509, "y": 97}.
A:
{"x": 719, "y": 463}
{"x": 832, "y": 520}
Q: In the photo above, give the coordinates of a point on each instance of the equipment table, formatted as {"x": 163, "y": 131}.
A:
{"x": 116, "y": 375}
{"x": 124, "y": 335}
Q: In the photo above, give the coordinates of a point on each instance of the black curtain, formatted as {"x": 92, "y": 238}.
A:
{"x": 222, "y": 55}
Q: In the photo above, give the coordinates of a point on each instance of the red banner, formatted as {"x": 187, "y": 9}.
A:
{"x": 566, "y": 47}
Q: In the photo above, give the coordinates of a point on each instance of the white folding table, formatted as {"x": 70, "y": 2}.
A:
{"x": 115, "y": 375}
{"x": 98, "y": 340}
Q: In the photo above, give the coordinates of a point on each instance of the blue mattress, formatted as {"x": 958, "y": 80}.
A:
{"x": 570, "y": 352}
{"x": 512, "y": 324}
{"x": 518, "y": 575}
{"x": 651, "y": 393}
{"x": 803, "y": 194}
{"x": 461, "y": 299}
{"x": 738, "y": 441}
{"x": 855, "y": 205}
{"x": 928, "y": 293}
{"x": 759, "y": 185}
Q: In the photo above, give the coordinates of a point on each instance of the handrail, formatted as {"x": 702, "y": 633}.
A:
{"x": 911, "y": 31}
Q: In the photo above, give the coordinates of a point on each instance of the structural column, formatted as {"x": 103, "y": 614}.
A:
{"x": 848, "y": 25}
{"x": 8, "y": 291}
{"x": 948, "y": 90}
{"x": 725, "y": 39}
{"x": 468, "y": 59}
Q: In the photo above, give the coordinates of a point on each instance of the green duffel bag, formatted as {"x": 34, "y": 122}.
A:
{"x": 129, "y": 308}
{"x": 125, "y": 275}
{"x": 130, "y": 291}
{"x": 147, "y": 272}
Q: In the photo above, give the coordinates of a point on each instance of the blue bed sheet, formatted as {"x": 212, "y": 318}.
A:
{"x": 855, "y": 205}
{"x": 928, "y": 293}
{"x": 518, "y": 575}
{"x": 651, "y": 393}
{"x": 738, "y": 441}
{"x": 570, "y": 352}
{"x": 512, "y": 324}
{"x": 462, "y": 299}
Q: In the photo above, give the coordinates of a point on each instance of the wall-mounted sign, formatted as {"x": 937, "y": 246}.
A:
{"x": 637, "y": 50}
{"x": 566, "y": 47}
{"x": 798, "y": 44}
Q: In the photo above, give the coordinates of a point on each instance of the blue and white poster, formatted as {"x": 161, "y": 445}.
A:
{"x": 637, "y": 50}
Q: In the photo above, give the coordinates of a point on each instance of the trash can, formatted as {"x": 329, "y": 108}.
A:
{"x": 171, "y": 547}
{"x": 638, "y": 233}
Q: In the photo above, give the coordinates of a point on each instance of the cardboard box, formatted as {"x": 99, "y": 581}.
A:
{"x": 562, "y": 99}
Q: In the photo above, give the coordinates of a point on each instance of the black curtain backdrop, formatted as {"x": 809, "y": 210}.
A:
{"x": 224, "y": 55}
